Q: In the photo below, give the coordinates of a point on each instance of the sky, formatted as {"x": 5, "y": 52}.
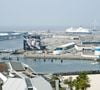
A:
{"x": 49, "y": 12}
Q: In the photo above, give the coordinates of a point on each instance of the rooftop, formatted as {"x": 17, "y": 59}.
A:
{"x": 22, "y": 81}
{"x": 17, "y": 66}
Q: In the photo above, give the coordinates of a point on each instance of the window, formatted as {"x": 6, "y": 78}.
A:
{"x": 59, "y": 49}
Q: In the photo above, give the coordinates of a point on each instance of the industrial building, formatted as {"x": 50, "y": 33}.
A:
{"x": 90, "y": 42}
{"x": 63, "y": 48}
{"x": 97, "y": 51}
{"x": 33, "y": 42}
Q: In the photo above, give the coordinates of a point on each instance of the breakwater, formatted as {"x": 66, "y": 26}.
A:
{"x": 52, "y": 56}
{"x": 77, "y": 72}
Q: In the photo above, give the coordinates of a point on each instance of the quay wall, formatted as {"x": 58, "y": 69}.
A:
{"x": 52, "y": 56}
{"x": 78, "y": 72}
{"x": 73, "y": 73}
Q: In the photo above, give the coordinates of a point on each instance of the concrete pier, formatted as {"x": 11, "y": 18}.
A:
{"x": 52, "y": 56}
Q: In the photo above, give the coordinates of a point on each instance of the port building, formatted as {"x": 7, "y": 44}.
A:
{"x": 33, "y": 42}
{"x": 62, "y": 49}
{"x": 14, "y": 77}
{"x": 90, "y": 42}
{"x": 97, "y": 51}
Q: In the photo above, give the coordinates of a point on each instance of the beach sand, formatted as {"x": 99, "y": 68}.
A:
{"x": 94, "y": 81}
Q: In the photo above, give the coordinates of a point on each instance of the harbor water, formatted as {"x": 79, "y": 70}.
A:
{"x": 55, "y": 66}
{"x": 11, "y": 44}
{"x": 48, "y": 65}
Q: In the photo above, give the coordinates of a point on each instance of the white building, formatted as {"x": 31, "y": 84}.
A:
{"x": 61, "y": 49}
{"x": 21, "y": 77}
{"x": 97, "y": 51}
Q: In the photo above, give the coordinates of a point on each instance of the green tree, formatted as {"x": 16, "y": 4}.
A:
{"x": 54, "y": 77}
{"x": 81, "y": 82}
{"x": 76, "y": 83}
{"x": 69, "y": 82}
{"x": 52, "y": 81}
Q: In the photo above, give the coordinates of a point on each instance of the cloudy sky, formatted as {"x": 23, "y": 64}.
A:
{"x": 49, "y": 12}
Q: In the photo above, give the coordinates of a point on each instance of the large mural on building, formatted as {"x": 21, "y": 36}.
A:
{"x": 33, "y": 42}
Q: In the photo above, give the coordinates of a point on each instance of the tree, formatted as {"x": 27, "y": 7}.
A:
{"x": 54, "y": 77}
{"x": 70, "y": 83}
{"x": 81, "y": 82}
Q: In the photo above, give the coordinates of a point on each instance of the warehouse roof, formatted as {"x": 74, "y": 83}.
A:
{"x": 17, "y": 66}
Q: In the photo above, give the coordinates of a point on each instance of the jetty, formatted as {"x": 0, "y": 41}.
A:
{"x": 52, "y": 56}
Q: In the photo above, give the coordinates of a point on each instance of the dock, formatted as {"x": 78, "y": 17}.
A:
{"x": 52, "y": 56}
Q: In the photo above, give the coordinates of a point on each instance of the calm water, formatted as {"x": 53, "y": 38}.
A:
{"x": 48, "y": 66}
{"x": 65, "y": 66}
{"x": 11, "y": 44}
